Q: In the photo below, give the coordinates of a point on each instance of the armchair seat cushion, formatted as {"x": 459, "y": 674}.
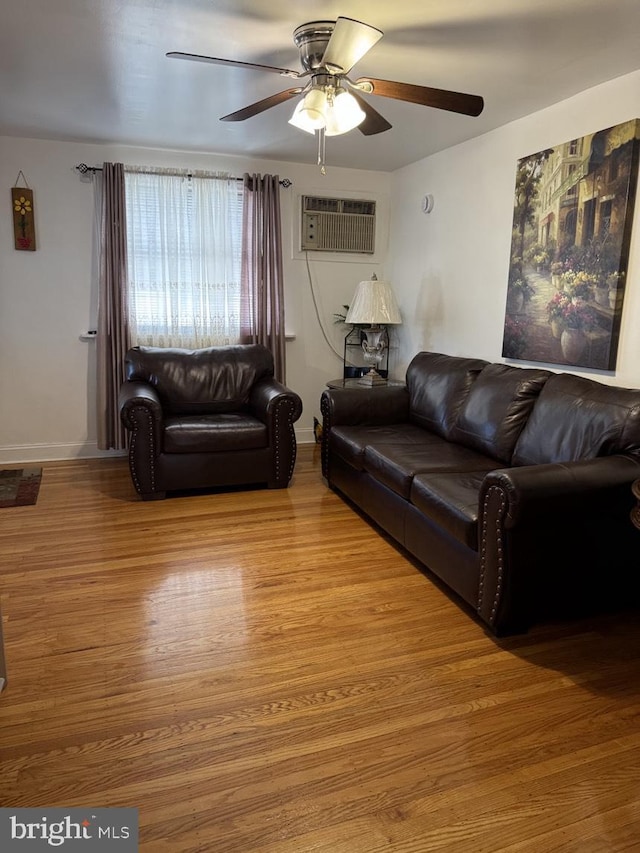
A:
{"x": 217, "y": 433}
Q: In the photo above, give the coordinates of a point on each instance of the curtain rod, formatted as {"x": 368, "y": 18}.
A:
{"x": 83, "y": 169}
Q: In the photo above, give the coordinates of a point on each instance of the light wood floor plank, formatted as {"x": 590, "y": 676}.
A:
{"x": 265, "y": 672}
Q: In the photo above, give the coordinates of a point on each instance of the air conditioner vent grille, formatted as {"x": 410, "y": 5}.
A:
{"x": 366, "y": 208}
{"x": 338, "y": 225}
{"x": 321, "y": 205}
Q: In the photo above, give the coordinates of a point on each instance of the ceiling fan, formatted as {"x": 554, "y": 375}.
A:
{"x": 332, "y": 103}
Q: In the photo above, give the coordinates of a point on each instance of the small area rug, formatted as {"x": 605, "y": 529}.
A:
{"x": 19, "y": 486}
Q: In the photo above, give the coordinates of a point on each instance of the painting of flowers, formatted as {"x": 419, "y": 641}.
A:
{"x": 23, "y": 224}
{"x": 573, "y": 211}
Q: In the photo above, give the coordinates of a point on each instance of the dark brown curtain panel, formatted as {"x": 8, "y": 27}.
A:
{"x": 113, "y": 338}
{"x": 262, "y": 302}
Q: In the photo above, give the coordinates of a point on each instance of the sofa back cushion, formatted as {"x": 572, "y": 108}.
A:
{"x": 497, "y": 407}
{"x": 578, "y": 418}
{"x": 201, "y": 381}
{"x": 438, "y": 385}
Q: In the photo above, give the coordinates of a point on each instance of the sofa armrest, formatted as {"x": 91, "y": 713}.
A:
{"x": 388, "y": 404}
{"x": 279, "y": 408}
{"x": 541, "y": 489}
{"x": 384, "y": 405}
{"x": 564, "y": 526}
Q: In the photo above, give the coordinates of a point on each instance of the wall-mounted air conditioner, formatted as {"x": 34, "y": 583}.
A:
{"x": 337, "y": 225}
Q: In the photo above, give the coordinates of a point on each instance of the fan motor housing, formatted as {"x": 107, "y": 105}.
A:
{"x": 311, "y": 40}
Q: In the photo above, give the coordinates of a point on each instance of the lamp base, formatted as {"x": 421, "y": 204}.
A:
{"x": 372, "y": 378}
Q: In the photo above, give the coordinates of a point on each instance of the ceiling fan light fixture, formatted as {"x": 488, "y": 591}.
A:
{"x": 345, "y": 114}
{"x": 309, "y": 114}
{"x": 337, "y": 113}
{"x": 300, "y": 119}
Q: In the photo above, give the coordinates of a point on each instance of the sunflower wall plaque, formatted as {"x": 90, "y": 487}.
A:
{"x": 23, "y": 223}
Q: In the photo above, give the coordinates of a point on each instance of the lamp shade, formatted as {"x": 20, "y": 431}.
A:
{"x": 374, "y": 303}
{"x": 310, "y": 114}
{"x": 344, "y": 115}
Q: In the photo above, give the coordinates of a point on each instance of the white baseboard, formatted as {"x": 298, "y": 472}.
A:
{"x": 54, "y": 452}
{"x": 305, "y": 436}
{"x": 14, "y": 454}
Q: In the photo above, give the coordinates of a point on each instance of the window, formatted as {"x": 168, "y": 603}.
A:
{"x": 184, "y": 242}
{"x": 614, "y": 166}
{"x": 605, "y": 218}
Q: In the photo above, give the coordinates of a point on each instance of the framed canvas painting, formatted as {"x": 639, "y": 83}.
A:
{"x": 572, "y": 219}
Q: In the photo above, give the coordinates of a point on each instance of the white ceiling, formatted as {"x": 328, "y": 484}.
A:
{"x": 96, "y": 71}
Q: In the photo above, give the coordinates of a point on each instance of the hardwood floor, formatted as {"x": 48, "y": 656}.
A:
{"x": 263, "y": 672}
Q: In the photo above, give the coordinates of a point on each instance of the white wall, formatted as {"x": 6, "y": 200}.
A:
{"x": 47, "y": 297}
{"x": 449, "y": 267}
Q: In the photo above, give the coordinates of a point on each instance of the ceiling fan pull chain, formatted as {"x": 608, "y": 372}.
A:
{"x": 321, "y": 150}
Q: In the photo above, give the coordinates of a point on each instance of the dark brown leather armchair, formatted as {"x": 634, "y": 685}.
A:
{"x": 206, "y": 418}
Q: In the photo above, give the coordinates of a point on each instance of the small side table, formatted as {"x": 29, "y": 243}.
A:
{"x": 355, "y": 383}
{"x": 635, "y": 512}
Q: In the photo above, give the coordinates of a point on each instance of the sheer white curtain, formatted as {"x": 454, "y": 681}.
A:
{"x": 184, "y": 240}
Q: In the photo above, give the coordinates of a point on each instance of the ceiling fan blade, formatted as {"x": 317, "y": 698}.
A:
{"x": 349, "y": 42}
{"x": 374, "y": 122}
{"x": 261, "y": 106}
{"x": 441, "y": 99}
{"x": 195, "y": 57}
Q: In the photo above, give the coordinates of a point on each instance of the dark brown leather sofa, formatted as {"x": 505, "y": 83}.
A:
{"x": 511, "y": 485}
{"x": 207, "y": 418}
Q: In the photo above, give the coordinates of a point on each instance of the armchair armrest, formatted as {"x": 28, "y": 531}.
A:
{"x": 279, "y": 408}
{"x": 269, "y": 396}
{"x": 141, "y": 414}
{"x": 140, "y": 408}
{"x": 132, "y": 394}
{"x": 549, "y": 533}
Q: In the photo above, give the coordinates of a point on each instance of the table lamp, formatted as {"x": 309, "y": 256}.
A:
{"x": 374, "y": 306}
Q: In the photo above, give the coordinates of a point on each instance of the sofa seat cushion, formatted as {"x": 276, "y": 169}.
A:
{"x": 451, "y": 501}
{"x": 497, "y": 407}
{"x": 349, "y": 442}
{"x": 396, "y": 465}
{"x": 214, "y": 433}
